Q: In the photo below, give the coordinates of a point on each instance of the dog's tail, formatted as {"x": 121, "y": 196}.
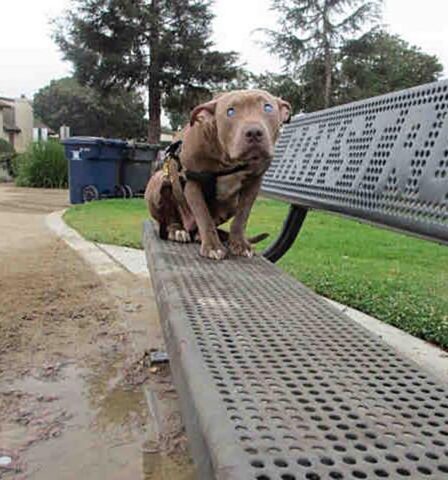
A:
{"x": 224, "y": 237}
{"x": 258, "y": 238}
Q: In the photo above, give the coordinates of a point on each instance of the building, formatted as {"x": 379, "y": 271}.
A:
{"x": 166, "y": 136}
{"x": 16, "y": 122}
{"x": 41, "y": 131}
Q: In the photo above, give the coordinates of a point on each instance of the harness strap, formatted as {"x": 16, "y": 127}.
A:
{"x": 209, "y": 180}
{"x": 173, "y": 151}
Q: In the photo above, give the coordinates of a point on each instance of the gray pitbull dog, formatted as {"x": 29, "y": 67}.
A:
{"x": 226, "y": 149}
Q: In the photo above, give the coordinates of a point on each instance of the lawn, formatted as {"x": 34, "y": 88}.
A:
{"x": 398, "y": 279}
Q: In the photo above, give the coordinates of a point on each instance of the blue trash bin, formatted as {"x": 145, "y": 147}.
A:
{"x": 141, "y": 162}
{"x": 95, "y": 166}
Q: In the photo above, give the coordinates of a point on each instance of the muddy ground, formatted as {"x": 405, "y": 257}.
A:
{"x": 75, "y": 376}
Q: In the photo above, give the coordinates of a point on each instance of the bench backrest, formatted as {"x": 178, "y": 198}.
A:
{"x": 382, "y": 160}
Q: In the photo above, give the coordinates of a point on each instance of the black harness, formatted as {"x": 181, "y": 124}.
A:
{"x": 207, "y": 180}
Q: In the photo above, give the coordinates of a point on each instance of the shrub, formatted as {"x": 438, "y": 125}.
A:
{"x": 6, "y": 149}
{"x": 42, "y": 165}
{"x": 7, "y": 155}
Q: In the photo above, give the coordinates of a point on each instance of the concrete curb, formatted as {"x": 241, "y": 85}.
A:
{"x": 107, "y": 259}
{"x": 133, "y": 260}
{"x": 100, "y": 261}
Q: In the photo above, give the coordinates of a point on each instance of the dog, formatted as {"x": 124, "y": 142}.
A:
{"x": 217, "y": 172}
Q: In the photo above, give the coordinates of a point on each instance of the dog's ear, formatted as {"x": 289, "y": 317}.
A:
{"x": 205, "y": 111}
{"x": 285, "y": 110}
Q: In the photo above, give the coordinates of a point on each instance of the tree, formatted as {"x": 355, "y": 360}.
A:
{"x": 161, "y": 45}
{"x": 66, "y": 102}
{"x": 315, "y": 29}
{"x": 281, "y": 85}
{"x": 379, "y": 63}
{"x": 179, "y": 104}
{"x": 181, "y": 100}
{"x": 375, "y": 64}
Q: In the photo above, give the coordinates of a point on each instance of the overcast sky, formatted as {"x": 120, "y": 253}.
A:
{"x": 29, "y": 59}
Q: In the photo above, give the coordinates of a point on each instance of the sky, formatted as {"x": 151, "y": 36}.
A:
{"x": 29, "y": 59}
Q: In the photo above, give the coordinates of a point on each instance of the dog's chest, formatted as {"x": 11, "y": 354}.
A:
{"x": 230, "y": 185}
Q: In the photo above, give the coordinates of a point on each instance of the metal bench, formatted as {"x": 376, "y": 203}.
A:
{"x": 276, "y": 384}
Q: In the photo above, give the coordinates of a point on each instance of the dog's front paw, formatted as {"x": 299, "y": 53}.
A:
{"x": 215, "y": 252}
{"x": 180, "y": 236}
{"x": 241, "y": 247}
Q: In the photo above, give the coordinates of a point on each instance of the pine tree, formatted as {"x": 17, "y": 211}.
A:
{"x": 162, "y": 46}
{"x": 312, "y": 29}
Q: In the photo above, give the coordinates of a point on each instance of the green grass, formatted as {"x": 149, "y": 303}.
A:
{"x": 396, "y": 278}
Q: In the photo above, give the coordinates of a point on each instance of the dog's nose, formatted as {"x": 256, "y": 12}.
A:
{"x": 254, "y": 134}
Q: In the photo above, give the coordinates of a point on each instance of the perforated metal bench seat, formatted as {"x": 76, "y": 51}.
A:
{"x": 275, "y": 384}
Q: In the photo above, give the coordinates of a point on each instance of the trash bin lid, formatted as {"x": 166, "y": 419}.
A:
{"x": 112, "y": 142}
{"x": 144, "y": 146}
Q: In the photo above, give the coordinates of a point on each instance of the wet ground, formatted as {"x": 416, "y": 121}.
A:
{"x": 78, "y": 395}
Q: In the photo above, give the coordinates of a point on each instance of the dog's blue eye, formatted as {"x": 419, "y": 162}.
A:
{"x": 231, "y": 112}
{"x": 268, "y": 108}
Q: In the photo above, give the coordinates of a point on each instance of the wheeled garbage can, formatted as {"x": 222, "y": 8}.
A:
{"x": 140, "y": 163}
{"x": 94, "y": 168}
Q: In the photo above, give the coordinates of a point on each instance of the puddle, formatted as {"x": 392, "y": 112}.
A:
{"x": 161, "y": 467}
{"x": 84, "y": 425}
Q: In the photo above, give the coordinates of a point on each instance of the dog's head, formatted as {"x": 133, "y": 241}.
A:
{"x": 247, "y": 122}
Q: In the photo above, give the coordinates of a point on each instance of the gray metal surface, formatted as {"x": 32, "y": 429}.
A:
{"x": 275, "y": 384}
{"x": 383, "y": 160}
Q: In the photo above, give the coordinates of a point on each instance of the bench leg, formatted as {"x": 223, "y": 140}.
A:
{"x": 291, "y": 228}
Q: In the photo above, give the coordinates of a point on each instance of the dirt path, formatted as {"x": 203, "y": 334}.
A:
{"x": 71, "y": 399}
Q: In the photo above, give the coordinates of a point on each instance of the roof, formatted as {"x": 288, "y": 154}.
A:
{"x": 9, "y": 127}
{"x": 4, "y": 104}
{"x": 38, "y": 123}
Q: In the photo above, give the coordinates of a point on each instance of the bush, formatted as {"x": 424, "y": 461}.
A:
{"x": 6, "y": 149}
{"x": 7, "y": 154}
{"x": 42, "y": 165}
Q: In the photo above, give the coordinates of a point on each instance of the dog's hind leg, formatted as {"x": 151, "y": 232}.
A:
{"x": 176, "y": 233}
{"x": 164, "y": 208}
{"x": 170, "y": 218}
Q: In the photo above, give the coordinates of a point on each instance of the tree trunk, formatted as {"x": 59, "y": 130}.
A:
{"x": 154, "y": 87}
{"x": 154, "y": 128}
{"x": 328, "y": 79}
{"x": 327, "y": 58}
